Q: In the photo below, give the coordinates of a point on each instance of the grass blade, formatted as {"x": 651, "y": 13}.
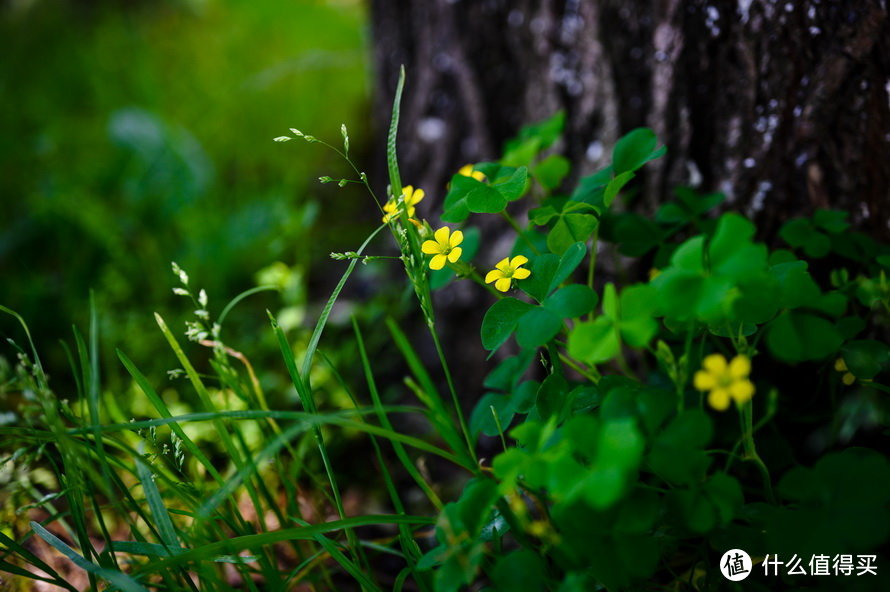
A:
{"x": 117, "y": 578}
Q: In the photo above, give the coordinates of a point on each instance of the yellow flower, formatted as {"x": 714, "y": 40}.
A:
{"x": 410, "y": 197}
{"x": 444, "y": 247}
{"x": 467, "y": 171}
{"x": 506, "y": 271}
{"x": 841, "y": 366}
{"x": 725, "y": 381}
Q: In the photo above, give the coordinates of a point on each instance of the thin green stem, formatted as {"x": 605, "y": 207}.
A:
{"x": 454, "y": 398}
{"x": 592, "y": 377}
{"x": 468, "y": 271}
{"x": 681, "y": 382}
{"x": 591, "y": 266}
{"x": 512, "y": 222}
{"x": 746, "y": 420}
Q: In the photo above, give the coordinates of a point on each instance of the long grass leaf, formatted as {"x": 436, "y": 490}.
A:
{"x": 254, "y": 541}
{"x": 162, "y": 520}
{"x": 117, "y": 578}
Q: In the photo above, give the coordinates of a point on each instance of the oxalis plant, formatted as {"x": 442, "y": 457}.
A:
{"x": 628, "y": 414}
{"x": 640, "y": 427}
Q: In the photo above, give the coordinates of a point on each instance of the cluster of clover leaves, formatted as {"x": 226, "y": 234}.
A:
{"x": 611, "y": 469}
{"x": 627, "y": 411}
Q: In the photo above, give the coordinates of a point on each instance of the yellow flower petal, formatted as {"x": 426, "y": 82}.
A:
{"x": 741, "y": 390}
{"x": 416, "y": 197}
{"x": 503, "y": 264}
{"x": 441, "y": 236}
{"x": 840, "y": 365}
{"x": 740, "y": 367}
{"x": 848, "y": 378}
{"x": 518, "y": 260}
{"x": 478, "y": 175}
{"x": 704, "y": 381}
{"x": 390, "y": 209}
{"x": 466, "y": 170}
{"x": 715, "y": 364}
{"x": 521, "y": 274}
{"x": 437, "y": 262}
{"x": 454, "y": 255}
{"x": 503, "y": 284}
{"x": 719, "y": 399}
{"x": 431, "y": 247}
{"x": 493, "y": 275}
{"x": 457, "y": 237}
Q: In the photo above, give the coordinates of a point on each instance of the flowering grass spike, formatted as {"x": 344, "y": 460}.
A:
{"x": 410, "y": 196}
{"x": 506, "y": 271}
{"x": 725, "y": 381}
{"x": 444, "y": 247}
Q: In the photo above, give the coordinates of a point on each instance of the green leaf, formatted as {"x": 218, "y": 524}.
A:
{"x": 572, "y": 226}
{"x": 508, "y": 373}
{"x": 570, "y": 260}
{"x": 543, "y": 215}
{"x": 637, "y": 305}
{"x": 500, "y": 321}
{"x": 634, "y": 150}
{"x": 514, "y": 186}
{"x": 520, "y": 571}
{"x": 800, "y": 234}
{"x": 620, "y": 445}
{"x": 552, "y": 399}
{"x": 690, "y": 205}
{"x": 523, "y": 398}
{"x": 731, "y": 251}
{"x": 796, "y": 285}
{"x": 796, "y": 336}
{"x": 522, "y": 153}
{"x": 634, "y": 234}
{"x": 831, "y": 221}
{"x": 616, "y": 185}
{"x": 725, "y": 493}
{"x": 483, "y": 199}
{"x": 594, "y": 342}
{"x": 866, "y": 358}
{"x": 677, "y": 454}
{"x": 590, "y": 189}
{"x": 610, "y": 302}
{"x": 543, "y": 270}
{"x": 545, "y": 132}
{"x": 689, "y": 256}
{"x": 551, "y": 171}
{"x": 571, "y": 301}
{"x": 476, "y": 503}
{"x": 537, "y": 327}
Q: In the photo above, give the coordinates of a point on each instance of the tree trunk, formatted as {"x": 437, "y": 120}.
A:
{"x": 783, "y": 106}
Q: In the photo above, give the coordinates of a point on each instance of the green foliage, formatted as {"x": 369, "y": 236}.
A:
{"x": 142, "y": 138}
{"x": 639, "y": 421}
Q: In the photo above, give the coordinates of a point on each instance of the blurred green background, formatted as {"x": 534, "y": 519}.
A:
{"x": 139, "y": 133}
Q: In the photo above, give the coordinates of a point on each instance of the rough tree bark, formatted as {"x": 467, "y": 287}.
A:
{"x": 781, "y": 105}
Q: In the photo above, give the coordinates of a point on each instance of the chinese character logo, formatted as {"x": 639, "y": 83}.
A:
{"x": 735, "y": 565}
